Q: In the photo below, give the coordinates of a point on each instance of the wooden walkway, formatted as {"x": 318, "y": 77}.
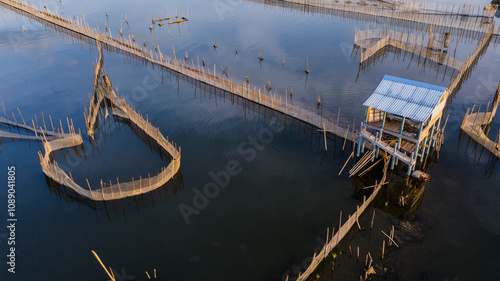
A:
{"x": 245, "y": 90}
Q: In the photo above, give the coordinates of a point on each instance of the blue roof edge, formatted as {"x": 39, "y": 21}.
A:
{"x": 415, "y": 83}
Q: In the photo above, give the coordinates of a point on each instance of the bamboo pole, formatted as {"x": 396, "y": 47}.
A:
{"x": 383, "y": 248}
{"x": 102, "y": 191}
{"x": 102, "y": 264}
{"x": 5, "y": 113}
{"x": 390, "y": 238}
{"x": 324, "y": 135}
{"x": 373, "y": 218}
{"x": 345, "y": 164}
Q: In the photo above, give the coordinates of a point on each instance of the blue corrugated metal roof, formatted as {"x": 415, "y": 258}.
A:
{"x": 411, "y": 99}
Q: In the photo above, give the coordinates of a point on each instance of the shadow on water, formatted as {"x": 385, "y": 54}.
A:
{"x": 118, "y": 209}
{"x": 477, "y": 152}
{"x": 114, "y": 209}
{"x": 401, "y": 195}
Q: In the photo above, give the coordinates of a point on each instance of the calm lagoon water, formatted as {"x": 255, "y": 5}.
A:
{"x": 269, "y": 217}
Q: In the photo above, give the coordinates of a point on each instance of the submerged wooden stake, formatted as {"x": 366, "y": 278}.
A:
{"x": 373, "y": 218}
{"x": 390, "y": 238}
{"x": 383, "y": 248}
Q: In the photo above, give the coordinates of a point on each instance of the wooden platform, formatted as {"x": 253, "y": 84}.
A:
{"x": 395, "y": 126}
{"x": 388, "y": 148}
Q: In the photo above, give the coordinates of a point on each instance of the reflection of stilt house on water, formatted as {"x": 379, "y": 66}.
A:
{"x": 403, "y": 119}
{"x": 404, "y": 197}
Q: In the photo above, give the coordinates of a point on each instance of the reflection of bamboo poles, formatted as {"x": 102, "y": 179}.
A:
{"x": 343, "y": 230}
{"x": 408, "y": 13}
{"x": 125, "y": 111}
{"x": 476, "y": 132}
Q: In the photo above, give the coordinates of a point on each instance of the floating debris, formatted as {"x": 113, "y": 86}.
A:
{"x": 160, "y": 20}
{"x": 260, "y": 55}
{"x": 420, "y": 175}
{"x": 177, "y": 21}
{"x": 402, "y": 200}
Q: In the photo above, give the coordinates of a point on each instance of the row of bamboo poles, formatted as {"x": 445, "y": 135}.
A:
{"x": 264, "y": 97}
{"x": 119, "y": 190}
{"x": 333, "y": 241}
{"x": 470, "y": 62}
{"x": 462, "y": 17}
{"x": 412, "y": 43}
{"x": 473, "y": 127}
{"x": 459, "y": 77}
{"x": 40, "y": 134}
{"x": 473, "y": 123}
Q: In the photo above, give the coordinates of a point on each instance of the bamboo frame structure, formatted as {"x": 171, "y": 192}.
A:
{"x": 104, "y": 91}
{"x": 473, "y": 123}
